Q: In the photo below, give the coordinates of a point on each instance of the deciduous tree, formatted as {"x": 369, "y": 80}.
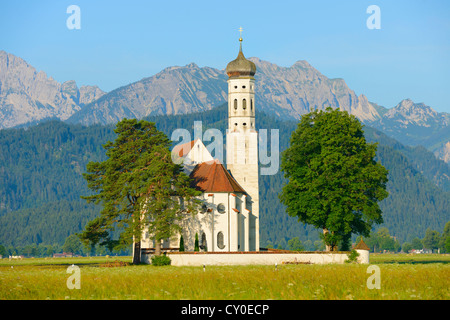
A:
{"x": 334, "y": 181}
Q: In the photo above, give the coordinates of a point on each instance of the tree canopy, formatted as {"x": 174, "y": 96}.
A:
{"x": 138, "y": 186}
{"x": 334, "y": 183}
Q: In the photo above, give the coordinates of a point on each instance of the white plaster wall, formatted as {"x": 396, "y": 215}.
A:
{"x": 255, "y": 258}
{"x": 199, "y": 153}
{"x": 220, "y": 221}
{"x": 363, "y": 256}
{"x": 242, "y": 162}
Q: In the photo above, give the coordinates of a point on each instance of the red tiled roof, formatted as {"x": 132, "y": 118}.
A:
{"x": 211, "y": 176}
{"x": 361, "y": 245}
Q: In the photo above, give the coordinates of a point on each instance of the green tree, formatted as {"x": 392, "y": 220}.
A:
{"x": 3, "y": 251}
{"x": 447, "y": 244}
{"x": 138, "y": 186}
{"x": 181, "y": 244}
{"x": 382, "y": 240}
{"x": 295, "y": 244}
{"x": 72, "y": 244}
{"x": 406, "y": 247}
{"x": 431, "y": 239}
{"x": 319, "y": 245}
{"x": 417, "y": 244}
{"x": 196, "y": 247}
{"x": 445, "y": 238}
{"x": 334, "y": 182}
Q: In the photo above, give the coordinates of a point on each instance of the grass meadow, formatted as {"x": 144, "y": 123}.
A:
{"x": 405, "y": 277}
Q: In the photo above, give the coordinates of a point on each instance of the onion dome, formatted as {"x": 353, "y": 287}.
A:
{"x": 241, "y": 67}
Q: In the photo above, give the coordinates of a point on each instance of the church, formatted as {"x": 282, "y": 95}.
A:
{"x": 228, "y": 219}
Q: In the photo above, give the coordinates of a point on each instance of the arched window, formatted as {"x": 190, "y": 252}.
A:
{"x": 235, "y": 104}
{"x": 244, "y": 104}
{"x": 203, "y": 242}
{"x": 251, "y": 104}
{"x": 220, "y": 243}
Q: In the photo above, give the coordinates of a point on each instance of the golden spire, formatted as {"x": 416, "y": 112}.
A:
{"x": 240, "y": 39}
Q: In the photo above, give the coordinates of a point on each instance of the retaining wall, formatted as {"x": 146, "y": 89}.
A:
{"x": 257, "y": 258}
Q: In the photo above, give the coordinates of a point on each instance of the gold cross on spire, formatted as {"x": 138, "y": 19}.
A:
{"x": 240, "y": 33}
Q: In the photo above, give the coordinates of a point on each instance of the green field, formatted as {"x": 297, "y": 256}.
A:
{"x": 402, "y": 277}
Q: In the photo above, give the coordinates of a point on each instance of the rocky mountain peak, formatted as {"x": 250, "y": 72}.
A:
{"x": 28, "y": 95}
{"x": 409, "y": 112}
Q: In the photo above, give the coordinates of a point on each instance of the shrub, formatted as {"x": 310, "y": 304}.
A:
{"x": 162, "y": 260}
{"x": 352, "y": 256}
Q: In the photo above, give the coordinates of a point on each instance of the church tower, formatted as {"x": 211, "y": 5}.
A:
{"x": 242, "y": 144}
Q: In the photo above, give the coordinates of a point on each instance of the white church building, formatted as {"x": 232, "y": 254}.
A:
{"x": 228, "y": 220}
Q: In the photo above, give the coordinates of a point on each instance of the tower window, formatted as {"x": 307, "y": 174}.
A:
{"x": 235, "y": 124}
{"x": 220, "y": 243}
{"x": 235, "y": 104}
{"x": 235, "y": 87}
{"x": 244, "y": 104}
{"x": 251, "y": 104}
{"x": 244, "y": 124}
{"x": 243, "y": 87}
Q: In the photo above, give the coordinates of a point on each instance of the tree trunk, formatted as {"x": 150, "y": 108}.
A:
{"x": 157, "y": 247}
{"x": 327, "y": 246}
{"x": 137, "y": 253}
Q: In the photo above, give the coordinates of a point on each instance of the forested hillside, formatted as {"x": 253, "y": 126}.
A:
{"x": 41, "y": 181}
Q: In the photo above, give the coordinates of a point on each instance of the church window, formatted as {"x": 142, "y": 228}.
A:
{"x": 221, "y": 208}
{"x": 235, "y": 87}
{"x": 235, "y": 124}
{"x": 203, "y": 242}
{"x": 244, "y": 104}
{"x": 235, "y": 104}
{"x": 251, "y": 104}
{"x": 220, "y": 242}
{"x": 243, "y": 87}
{"x": 244, "y": 124}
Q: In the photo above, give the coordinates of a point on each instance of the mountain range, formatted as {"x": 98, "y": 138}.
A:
{"x": 28, "y": 96}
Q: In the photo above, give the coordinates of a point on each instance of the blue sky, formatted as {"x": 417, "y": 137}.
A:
{"x": 124, "y": 41}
